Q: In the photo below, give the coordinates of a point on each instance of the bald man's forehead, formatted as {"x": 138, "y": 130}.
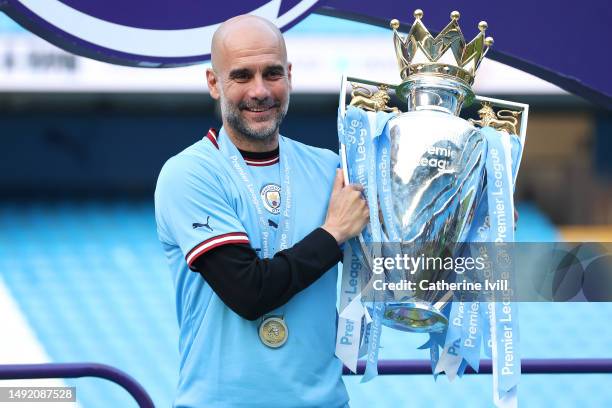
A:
{"x": 249, "y": 25}
{"x": 247, "y": 36}
{"x": 250, "y": 39}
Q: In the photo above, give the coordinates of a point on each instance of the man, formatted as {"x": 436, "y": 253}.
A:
{"x": 251, "y": 224}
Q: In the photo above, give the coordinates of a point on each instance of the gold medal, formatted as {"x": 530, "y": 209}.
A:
{"x": 273, "y": 332}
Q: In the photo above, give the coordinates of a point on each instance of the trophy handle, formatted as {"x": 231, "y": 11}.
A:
{"x": 346, "y": 80}
{"x": 360, "y": 239}
{"x": 342, "y": 97}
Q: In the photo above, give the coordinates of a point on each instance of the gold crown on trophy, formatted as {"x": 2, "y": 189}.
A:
{"x": 445, "y": 55}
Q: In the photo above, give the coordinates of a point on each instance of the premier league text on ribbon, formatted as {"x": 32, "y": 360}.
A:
{"x": 349, "y": 291}
{"x": 500, "y": 233}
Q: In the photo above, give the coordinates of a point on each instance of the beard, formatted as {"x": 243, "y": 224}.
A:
{"x": 233, "y": 114}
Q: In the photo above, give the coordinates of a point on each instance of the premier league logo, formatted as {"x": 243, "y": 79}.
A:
{"x": 270, "y": 195}
{"x": 146, "y": 33}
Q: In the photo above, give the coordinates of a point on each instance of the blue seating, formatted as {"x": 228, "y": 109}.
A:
{"x": 93, "y": 283}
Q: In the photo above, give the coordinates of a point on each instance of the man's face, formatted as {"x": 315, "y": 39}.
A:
{"x": 252, "y": 81}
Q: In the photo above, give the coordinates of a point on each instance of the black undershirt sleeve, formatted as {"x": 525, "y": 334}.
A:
{"x": 252, "y": 287}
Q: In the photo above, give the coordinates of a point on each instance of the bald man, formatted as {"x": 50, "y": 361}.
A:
{"x": 251, "y": 223}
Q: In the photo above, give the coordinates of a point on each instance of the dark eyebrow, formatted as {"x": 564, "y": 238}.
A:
{"x": 239, "y": 73}
{"x": 274, "y": 69}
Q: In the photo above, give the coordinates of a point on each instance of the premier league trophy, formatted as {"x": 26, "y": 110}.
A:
{"x": 438, "y": 187}
{"x": 428, "y": 178}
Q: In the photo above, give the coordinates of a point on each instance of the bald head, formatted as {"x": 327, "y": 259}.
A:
{"x": 251, "y": 79}
{"x": 248, "y": 33}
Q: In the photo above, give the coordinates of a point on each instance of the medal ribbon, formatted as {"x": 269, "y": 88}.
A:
{"x": 261, "y": 230}
{"x": 284, "y": 236}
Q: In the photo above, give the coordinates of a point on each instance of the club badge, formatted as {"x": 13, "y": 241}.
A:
{"x": 271, "y": 197}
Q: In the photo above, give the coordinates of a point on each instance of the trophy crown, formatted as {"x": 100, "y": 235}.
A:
{"x": 446, "y": 55}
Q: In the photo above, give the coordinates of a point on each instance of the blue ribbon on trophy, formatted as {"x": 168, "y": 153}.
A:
{"x": 503, "y": 314}
{"x": 351, "y": 328}
{"x": 435, "y": 184}
{"x": 496, "y": 325}
{"x": 359, "y": 137}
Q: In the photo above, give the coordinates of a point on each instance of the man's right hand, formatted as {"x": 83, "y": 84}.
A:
{"x": 348, "y": 212}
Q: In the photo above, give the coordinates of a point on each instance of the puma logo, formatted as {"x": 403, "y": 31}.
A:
{"x": 206, "y": 225}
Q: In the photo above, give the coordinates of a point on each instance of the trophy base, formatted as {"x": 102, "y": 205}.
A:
{"x": 416, "y": 317}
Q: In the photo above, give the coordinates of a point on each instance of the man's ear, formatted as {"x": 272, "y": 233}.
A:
{"x": 289, "y": 74}
{"x": 213, "y": 83}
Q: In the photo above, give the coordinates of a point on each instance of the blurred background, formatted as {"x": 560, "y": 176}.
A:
{"x": 83, "y": 277}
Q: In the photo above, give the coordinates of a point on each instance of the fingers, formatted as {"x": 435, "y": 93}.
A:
{"x": 339, "y": 180}
{"x": 356, "y": 195}
{"x": 366, "y": 214}
{"x": 357, "y": 187}
{"x": 348, "y": 211}
{"x": 362, "y": 211}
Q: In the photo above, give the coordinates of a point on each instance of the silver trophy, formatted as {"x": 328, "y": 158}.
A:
{"x": 436, "y": 158}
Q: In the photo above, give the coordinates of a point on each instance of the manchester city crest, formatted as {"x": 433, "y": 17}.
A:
{"x": 271, "y": 197}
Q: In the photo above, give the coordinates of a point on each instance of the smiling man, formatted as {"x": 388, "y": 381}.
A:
{"x": 251, "y": 77}
{"x": 251, "y": 223}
